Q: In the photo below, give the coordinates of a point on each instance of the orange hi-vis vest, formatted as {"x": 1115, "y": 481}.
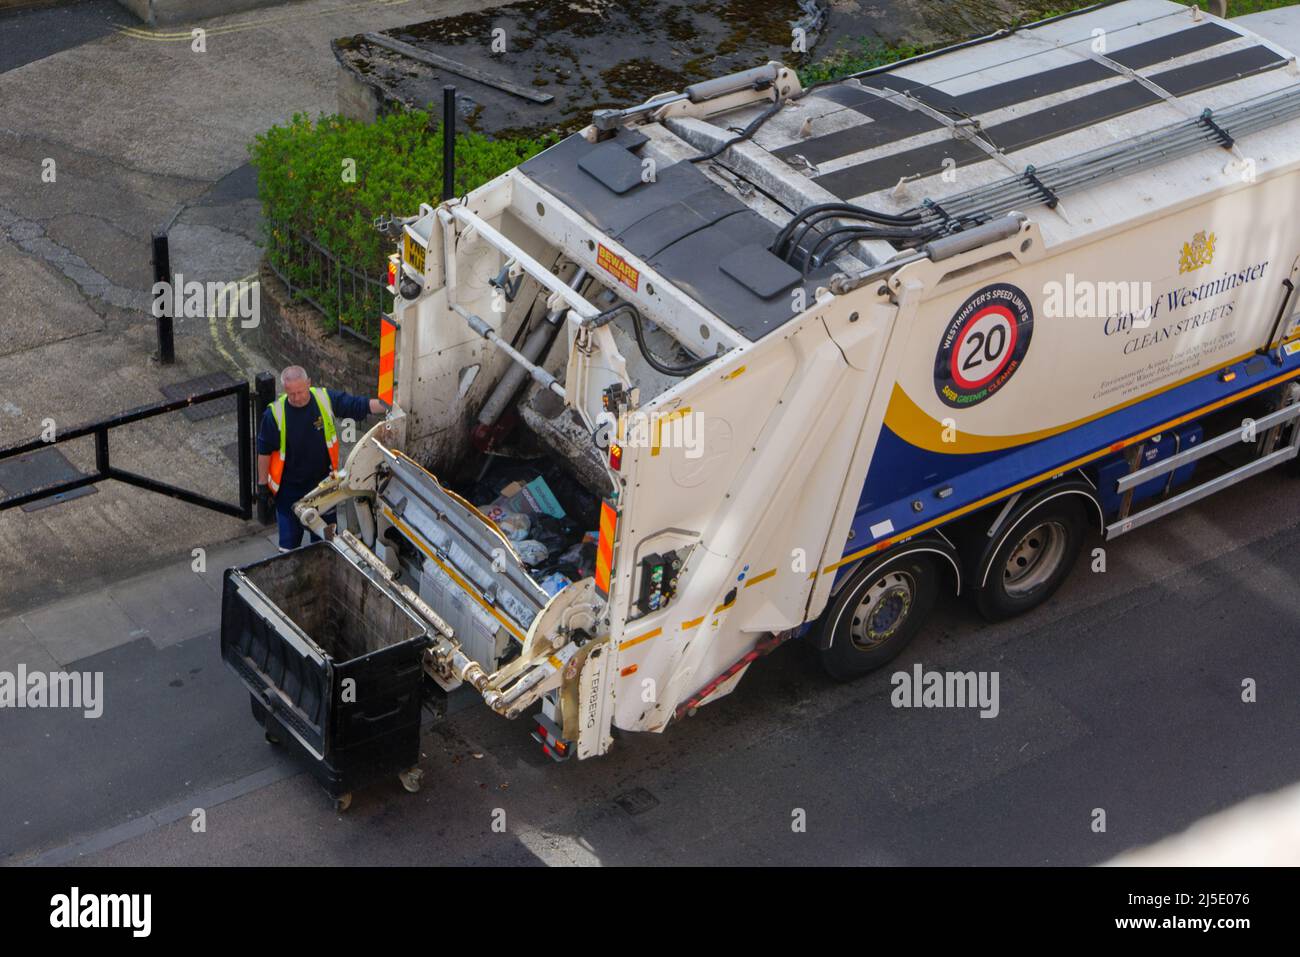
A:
{"x": 276, "y": 471}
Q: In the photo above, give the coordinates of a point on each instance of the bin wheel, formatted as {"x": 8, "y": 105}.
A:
{"x": 343, "y": 802}
{"x": 410, "y": 779}
{"x": 272, "y": 739}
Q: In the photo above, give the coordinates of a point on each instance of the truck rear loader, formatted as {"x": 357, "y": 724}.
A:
{"x": 795, "y": 363}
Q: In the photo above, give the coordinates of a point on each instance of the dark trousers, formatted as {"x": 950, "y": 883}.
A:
{"x": 291, "y": 530}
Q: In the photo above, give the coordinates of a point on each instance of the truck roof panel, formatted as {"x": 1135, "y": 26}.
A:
{"x": 928, "y": 129}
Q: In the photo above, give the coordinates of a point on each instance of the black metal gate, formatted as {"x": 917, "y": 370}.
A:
{"x": 104, "y": 469}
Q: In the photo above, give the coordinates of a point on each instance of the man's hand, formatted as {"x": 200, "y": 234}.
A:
{"x": 379, "y": 405}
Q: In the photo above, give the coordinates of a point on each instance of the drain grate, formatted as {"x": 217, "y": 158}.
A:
{"x": 38, "y": 469}
{"x": 204, "y": 383}
{"x": 637, "y": 801}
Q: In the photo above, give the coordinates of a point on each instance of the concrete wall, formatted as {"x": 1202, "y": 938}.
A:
{"x": 358, "y": 99}
{"x": 162, "y": 13}
{"x": 291, "y": 334}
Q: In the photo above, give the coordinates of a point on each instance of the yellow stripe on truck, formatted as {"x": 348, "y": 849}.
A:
{"x": 633, "y": 642}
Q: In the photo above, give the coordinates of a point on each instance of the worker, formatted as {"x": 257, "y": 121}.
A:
{"x": 298, "y": 445}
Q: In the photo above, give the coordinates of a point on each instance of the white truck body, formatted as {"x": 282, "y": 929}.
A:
{"x": 861, "y": 408}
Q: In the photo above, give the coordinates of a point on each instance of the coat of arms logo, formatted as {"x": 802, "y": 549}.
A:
{"x": 1199, "y": 252}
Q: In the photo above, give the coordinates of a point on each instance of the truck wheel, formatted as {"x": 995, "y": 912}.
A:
{"x": 1033, "y": 559}
{"x": 878, "y": 613}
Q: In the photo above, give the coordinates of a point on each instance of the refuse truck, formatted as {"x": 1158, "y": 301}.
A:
{"x": 753, "y": 362}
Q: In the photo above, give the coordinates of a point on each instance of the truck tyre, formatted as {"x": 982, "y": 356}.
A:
{"x": 1032, "y": 558}
{"x": 878, "y": 613}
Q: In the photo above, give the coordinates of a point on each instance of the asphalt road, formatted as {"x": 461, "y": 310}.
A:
{"x": 1124, "y": 694}
{"x": 30, "y": 35}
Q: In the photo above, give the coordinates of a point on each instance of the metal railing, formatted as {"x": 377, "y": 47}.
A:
{"x": 104, "y": 469}
{"x": 314, "y": 274}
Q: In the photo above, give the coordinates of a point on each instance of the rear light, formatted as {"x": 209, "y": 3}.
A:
{"x": 547, "y": 735}
{"x": 615, "y": 457}
{"x": 392, "y": 274}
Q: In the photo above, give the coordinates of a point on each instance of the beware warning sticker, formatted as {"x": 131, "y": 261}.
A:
{"x": 983, "y": 345}
{"x": 613, "y": 263}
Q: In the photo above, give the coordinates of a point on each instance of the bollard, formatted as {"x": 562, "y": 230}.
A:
{"x": 448, "y": 142}
{"x": 263, "y": 396}
{"x": 162, "y": 272}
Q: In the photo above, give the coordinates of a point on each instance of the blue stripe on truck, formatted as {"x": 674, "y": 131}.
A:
{"x": 901, "y": 473}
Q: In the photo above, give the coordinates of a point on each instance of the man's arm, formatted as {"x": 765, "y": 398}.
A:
{"x": 268, "y": 441}
{"x": 348, "y": 406}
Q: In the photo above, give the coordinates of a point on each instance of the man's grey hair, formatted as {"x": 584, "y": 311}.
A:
{"x": 293, "y": 374}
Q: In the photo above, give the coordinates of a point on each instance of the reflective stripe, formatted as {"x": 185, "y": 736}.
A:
{"x": 327, "y": 421}
{"x": 276, "y": 471}
{"x": 387, "y": 357}
{"x": 605, "y": 548}
{"x": 633, "y": 642}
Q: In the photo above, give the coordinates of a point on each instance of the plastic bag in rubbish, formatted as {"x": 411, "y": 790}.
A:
{"x": 532, "y": 552}
{"x": 554, "y": 583}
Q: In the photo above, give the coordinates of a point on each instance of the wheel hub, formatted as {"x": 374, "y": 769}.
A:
{"x": 1034, "y": 559}
{"x": 883, "y": 609}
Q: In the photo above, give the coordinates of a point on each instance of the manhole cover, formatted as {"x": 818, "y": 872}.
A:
{"x": 37, "y": 469}
{"x": 637, "y": 801}
{"x": 204, "y": 383}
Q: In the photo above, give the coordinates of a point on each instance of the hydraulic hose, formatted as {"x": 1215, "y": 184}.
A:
{"x": 638, "y": 330}
{"x": 847, "y": 210}
{"x": 744, "y": 134}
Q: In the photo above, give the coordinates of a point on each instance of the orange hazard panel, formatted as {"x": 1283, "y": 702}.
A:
{"x": 605, "y": 547}
{"x": 387, "y": 355}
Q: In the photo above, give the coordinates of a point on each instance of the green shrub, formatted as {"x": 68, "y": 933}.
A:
{"x": 329, "y": 179}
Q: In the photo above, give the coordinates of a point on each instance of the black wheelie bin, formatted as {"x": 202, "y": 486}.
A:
{"x": 331, "y": 657}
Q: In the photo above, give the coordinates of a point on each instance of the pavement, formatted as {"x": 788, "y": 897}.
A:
{"x": 1124, "y": 693}
{"x": 108, "y": 134}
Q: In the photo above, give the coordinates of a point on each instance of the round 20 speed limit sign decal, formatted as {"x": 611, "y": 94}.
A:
{"x": 983, "y": 345}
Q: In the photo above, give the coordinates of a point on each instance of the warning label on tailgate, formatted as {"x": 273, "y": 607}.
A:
{"x": 613, "y": 263}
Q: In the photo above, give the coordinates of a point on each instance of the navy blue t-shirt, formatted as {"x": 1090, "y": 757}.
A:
{"x": 307, "y": 461}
